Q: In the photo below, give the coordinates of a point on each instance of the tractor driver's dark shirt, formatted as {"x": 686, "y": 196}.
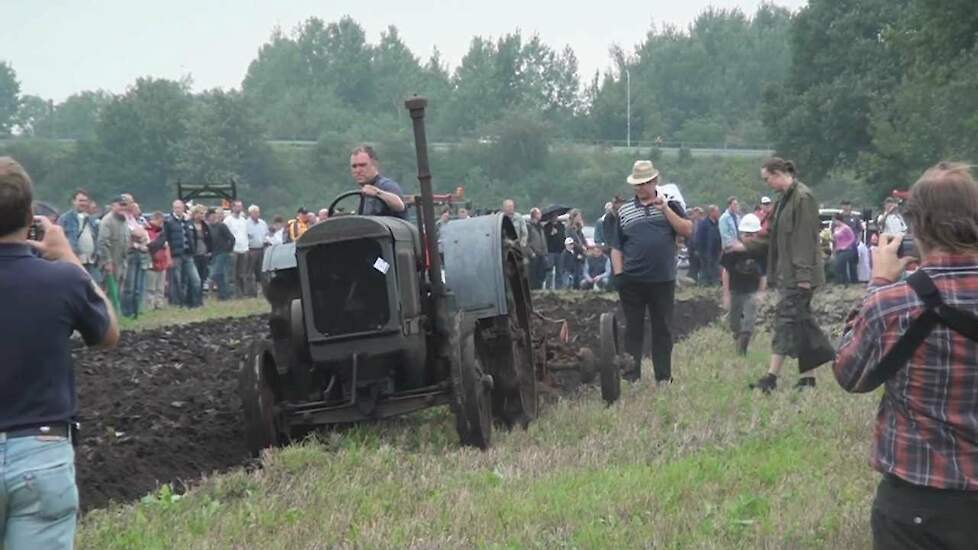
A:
{"x": 374, "y": 206}
{"x": 41, "y": 304}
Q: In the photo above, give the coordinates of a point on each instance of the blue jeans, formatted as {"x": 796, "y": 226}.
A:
{"x": 185, "y": 282}
{"x": 38, "y": 495}
{"x": 220, "y": 272}
{"x": 709, "y": 271}
{"x": 134, "y": 286}
{"x": 843, "y": 258}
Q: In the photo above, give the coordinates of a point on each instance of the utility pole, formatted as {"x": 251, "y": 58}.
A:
{"x": 628, "y": 108}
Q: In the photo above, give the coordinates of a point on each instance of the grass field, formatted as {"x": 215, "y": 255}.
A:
{"x": 702, "y": 464}
{"x": 212, "y": 309}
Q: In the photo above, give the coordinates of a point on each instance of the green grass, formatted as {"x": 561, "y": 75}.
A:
{"x": 212, "y": 309}
{"x": 702, "y": 464}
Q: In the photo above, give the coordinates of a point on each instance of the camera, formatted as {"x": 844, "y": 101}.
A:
{"x": 908, "y": 248}
{"x": 36, "y": 231}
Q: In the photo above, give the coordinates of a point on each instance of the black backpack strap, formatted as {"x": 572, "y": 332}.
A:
{"x": 962, "y": 322}
{"x": 901, "y": 352}
{"x": 922, "y": 284}
{"x": 920, "y": 328}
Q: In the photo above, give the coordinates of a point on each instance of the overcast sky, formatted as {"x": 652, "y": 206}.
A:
{"x": 59, "y": 47}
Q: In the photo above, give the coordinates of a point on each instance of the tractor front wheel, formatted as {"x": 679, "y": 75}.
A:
{"x": 472, "y": 388}
{"x": 262, "y": 423}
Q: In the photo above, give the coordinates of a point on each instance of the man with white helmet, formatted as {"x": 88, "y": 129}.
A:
{"x": 746, "y": 279}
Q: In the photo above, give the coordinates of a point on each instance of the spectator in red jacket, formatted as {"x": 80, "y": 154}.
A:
{"x": 155, "y": 296}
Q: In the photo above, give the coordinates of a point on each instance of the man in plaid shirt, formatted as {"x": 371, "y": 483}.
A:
{"x": 926, "y": 435}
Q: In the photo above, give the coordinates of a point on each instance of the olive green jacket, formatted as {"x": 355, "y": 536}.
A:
{"x": 113, "y": 241}
{"x": 792, "y": 240}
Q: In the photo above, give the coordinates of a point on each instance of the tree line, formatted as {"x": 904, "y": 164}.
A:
{"x": 854, "y": 90}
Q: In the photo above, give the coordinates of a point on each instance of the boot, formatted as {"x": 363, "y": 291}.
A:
{"x": 743, "y": 340}
{"x": 766, "y": 384}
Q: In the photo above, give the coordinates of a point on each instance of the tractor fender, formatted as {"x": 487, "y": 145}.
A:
{"x": 472, "y": 251}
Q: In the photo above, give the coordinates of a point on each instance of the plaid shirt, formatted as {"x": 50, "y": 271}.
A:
{"x": 927, "y": 425}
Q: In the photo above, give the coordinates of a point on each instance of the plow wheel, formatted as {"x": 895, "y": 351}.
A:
{"x": 518, "y": 405}
{"x": 608, "y": 359}
{"x": 262, "y": 423}
{"x": 472, "y": 389}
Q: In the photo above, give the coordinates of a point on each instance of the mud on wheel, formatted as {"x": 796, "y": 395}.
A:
{"x": 263, "y": 424}
{"x": 471, "y": 387}
{"x": 608, "y": 359}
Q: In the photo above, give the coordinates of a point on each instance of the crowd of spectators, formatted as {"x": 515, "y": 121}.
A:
{"x": 146, "y": 262}
{"x": 561, "y": 256}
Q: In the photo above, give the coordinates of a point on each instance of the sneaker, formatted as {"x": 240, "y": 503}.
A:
{"x": 766, "y": 384}
{"x": 660, "y": 384}
{"x": 805, "y": 383}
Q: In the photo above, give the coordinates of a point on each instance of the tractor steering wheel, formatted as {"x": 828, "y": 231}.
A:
{"x": 332, "y": 205}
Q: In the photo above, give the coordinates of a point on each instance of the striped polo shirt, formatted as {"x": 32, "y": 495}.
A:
{"x": 647, "y": 241}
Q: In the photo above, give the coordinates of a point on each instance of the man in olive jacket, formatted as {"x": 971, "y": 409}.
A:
{"x": 795, "y": 268}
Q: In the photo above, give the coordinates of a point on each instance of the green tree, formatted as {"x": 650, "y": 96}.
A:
{"x": 138, "y": 137}
{"x": 77, "y": 116}
{"x": 9, "y": 97}
{"x": 511, "y": 73}
{"x": 820, "y": 114}
{"x": 222, "y": 140}
{"x": 704, "y": 82}
{"x": 34, "y": 117}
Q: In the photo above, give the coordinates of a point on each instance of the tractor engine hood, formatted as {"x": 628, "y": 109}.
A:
{"x": 345, "y": 228}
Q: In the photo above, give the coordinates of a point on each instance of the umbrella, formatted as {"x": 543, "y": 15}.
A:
{"x": 554, "y": 210}
{"x": 46, "y": 210}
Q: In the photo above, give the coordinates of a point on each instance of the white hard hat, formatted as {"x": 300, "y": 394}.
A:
{"x": 750, "y": 224}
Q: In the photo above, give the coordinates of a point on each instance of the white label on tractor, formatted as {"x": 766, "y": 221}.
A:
{"x": 382, "y": 266}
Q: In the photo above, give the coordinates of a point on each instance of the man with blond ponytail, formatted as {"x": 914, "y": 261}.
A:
{"x": 794, "y": 262}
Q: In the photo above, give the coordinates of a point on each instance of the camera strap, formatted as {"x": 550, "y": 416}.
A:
{"x": 936, "y": 312}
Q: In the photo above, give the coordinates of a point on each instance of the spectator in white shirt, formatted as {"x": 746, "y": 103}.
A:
{"x": 239, "y": 256}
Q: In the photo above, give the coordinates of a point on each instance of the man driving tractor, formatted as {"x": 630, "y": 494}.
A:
{"x": 382, "y": 196}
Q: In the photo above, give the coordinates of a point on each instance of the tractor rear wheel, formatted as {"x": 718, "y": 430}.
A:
{"x": 262, "y": 423}
{"x": 520, "y": 407}
{"x": 608, "y": 359}
{"x": 472, "y": 388}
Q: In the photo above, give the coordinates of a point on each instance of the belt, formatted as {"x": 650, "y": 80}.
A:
{"x": 57, "y": 430}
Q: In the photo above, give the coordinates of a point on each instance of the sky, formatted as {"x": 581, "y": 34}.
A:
{"x": 60, "y": 47}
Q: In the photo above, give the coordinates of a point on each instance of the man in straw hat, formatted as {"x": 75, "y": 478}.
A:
{"x": 643, "y": 260}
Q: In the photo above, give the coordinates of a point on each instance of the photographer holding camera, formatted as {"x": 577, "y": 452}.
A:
{"x": 44, "y": 302}
{"x": 919, "y": 338}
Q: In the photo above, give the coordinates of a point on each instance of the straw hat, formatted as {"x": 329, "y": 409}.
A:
{"x": 642, "y": 172}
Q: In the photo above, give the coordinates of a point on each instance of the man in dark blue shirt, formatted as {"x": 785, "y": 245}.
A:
{"x": 381, "y": 196}
{"x": 643, "y": 259}
{"x": 44, "y": 302}
{"x": 709, "y": 247}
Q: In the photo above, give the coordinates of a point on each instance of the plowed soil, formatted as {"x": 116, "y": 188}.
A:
{"x": 163, "y": 406}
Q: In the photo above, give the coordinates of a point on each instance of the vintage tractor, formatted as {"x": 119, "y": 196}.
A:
{"x": 374, "y": 317}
